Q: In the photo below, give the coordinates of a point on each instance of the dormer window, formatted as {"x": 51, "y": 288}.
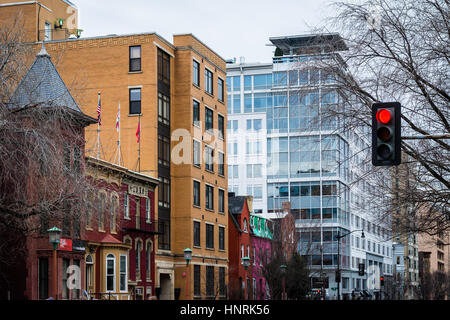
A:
{"x": 245, "y": 225}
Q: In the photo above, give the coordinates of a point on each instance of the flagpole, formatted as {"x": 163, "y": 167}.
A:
{"x": 98, "y": 129}
{"x": 139, "y": 151}
{"x": 119, "y": 134}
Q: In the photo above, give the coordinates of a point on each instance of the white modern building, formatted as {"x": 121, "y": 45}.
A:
{"x": 306, "y": 160}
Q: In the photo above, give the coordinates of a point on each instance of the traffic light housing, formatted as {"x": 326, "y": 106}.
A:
{"x": 386, "y": 134}
{"x": 381, "y": 281}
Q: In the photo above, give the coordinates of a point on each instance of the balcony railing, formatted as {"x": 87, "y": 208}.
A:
{"x": 140, "y": 224}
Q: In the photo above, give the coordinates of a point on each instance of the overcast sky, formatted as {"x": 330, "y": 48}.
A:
{"x": 232, "y": 28}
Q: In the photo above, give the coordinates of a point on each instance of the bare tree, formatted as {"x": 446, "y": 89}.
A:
{"x": 396, "y": 51}
{"x": 42, "y": 178}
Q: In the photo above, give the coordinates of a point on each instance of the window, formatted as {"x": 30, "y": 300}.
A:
{"x": 110, "y": 272}
{"x": 237, "y": 83}
{"x": 135, "y": 101}
{"x": 209, "y": 197}
{"x": 221, "y": 163}
{"x": 222, "y": 288}
{"x": 66, "y": 157}
{"x": 164, "y": 192}
{"x": 196, "y": 153}
{"x": 135, "y": 58}
{"x": 163, "y": 67}
{"x": 209, "y": 281}
{"x": 148, "y": 259}
{"x": 113, "y": 212}
{"x": 196, "y": 113}
{"x": 163, "y": 109}
{"x": 163, "y": 151}
{"x": 197, "y": 193}
{"x": 197, "y": 280}
{"x": 208, "y": 81}
{"x": 196, "y": 234}
{"x": 147, "y": 210}
{"x": 77, "y": 160}
{"x": 221, "y": 90}
{"x": 209, "y": 158}
{"x": 126, "y": 205}
{"x": 244, "y": 227}
{"x": 221, "y": 238}
{"x": 138, "y": 250}
{"x": 101, "y": 213}
{"x": 209, "y": 236}
{"x": 208, "y": 119}
{"x": 221, "y": 124}
{"x": 123, "y": 274}
{"x": 48, "y": 32}
{"x": 43, "y": 278}
{"x": 257, "y": 124}
{"x": 196, "y": 73}
{"x": 164, "y": 237}
{"x": 221, "y": 201}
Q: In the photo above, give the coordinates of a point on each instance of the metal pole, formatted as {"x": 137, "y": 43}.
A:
{"x": 55, "y": 272}
{"x": 187, "y": 281}
{"x": 339, "y": 266}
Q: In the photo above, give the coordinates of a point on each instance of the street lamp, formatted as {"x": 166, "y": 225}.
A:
{"x": 283, "y": 268}
{"x": 338, "y": 271}
{"x": 246, "y": 263}
{"x": 188, "y": 258}
{"x": 54, "y": 236}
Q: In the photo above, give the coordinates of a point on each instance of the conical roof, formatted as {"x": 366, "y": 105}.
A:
{"x": 43, "y": 85}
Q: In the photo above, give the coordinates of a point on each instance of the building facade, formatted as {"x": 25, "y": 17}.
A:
{"x": 307, "y": 159}
{"x": 120, "y": 260}
{"x": 261, "y": 237}
{"x": 175, "y": 94}
{"x": 42, "y": 20}
{"x": 240, "y": 247}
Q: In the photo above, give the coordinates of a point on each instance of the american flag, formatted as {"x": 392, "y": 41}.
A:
{"x": 99, "y": 111}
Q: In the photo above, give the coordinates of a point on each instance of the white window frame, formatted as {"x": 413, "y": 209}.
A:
{"x": 147, "y": 210}
{"x": 122, "y": 272}
{"x": 113, "y": 259}
{"x": 126, "y": 203}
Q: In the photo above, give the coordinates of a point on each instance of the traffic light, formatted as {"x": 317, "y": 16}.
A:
{"x": 381, "y": 281}
{"x": 386, "y": 134}
{"x": 361, "y": 269}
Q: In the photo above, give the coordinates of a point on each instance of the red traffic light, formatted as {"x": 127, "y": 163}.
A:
{"x": 384, "y": 116}
{"x": 381, "y": 278}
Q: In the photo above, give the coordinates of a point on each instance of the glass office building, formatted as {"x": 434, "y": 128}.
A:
{"x": 309, "y": 160}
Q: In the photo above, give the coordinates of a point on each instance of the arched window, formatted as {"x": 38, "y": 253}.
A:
{"x": 110, "y": 272}
{"x": 138, "y": 249}
{"x": 148, "y": 259}
{"x": 113, "y": 213}
{"x": 244, "y": 227}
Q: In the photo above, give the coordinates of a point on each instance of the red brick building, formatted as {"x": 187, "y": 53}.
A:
{"x": 120, "y": 257}
{"x": 240, "y": 246}
{"x": 42, "y": 92}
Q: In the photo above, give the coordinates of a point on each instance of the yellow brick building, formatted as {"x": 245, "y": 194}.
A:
{"x": 177, "y": 92}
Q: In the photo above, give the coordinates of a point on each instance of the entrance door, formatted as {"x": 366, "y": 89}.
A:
{"x": 165, "y": 286}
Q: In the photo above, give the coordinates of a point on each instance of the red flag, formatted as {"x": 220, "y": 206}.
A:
{"x": 138, "y": 131}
